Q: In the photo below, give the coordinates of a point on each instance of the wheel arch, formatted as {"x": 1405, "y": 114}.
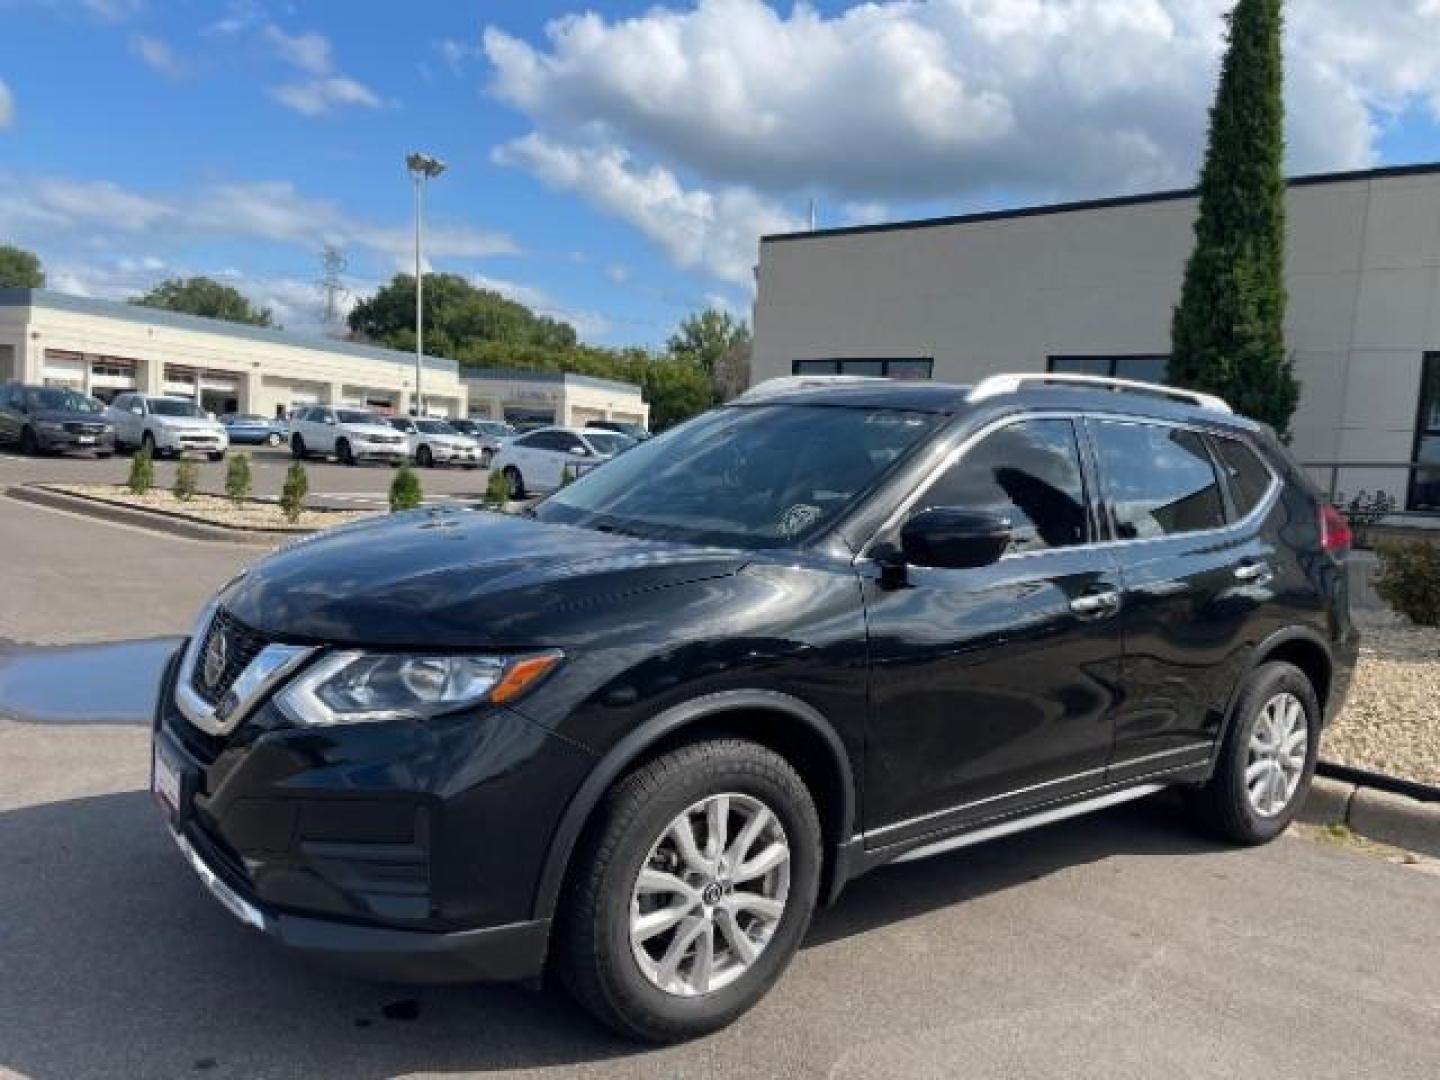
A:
{"x": 783, "y": 723}
{"x": 1308, "y": 651}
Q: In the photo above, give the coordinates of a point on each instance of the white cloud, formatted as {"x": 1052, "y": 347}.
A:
{"x": 157, "y": 55}
{"x": 901, "y": 99}
{"x": 588, "y": 324}
{"x": 7, "y": 106}
{"x": 113, "y": 10}
{"x": 457, "y": 54}
{"x": 711, "y": 230}
{"x": 52, "y": 208}
{"x": 324, "y": 86}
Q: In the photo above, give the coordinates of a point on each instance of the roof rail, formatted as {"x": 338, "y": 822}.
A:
{"x": 788, "y": 383}
{"x": 995, "y": 385}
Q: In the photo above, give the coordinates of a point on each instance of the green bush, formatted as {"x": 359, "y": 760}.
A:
{"x": 237, "y": 478}
{"x": 405, "y": 493}
{"x": 292, "y": 495}
{"x": 142, "y": 473}
{"x": 187, "y": 478}
{"x": 1409, "y": 579}
{"x": 497, "y": 491}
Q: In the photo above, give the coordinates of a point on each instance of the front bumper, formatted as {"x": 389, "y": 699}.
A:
{"x": 69, "y": 441}
{"x": 457, "y": 455}
{"x": 510, "y": 953}
{"x": 379, "y": 451}
{"x": 182, "y": 442}
{"x": 405, "y": 851}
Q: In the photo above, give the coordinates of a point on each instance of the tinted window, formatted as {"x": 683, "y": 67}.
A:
{"x": 174, "y": 407}
{"x": 1159, "y": 480}
{"x": 360, "y": 416}
{"x": 1028, "y": 472}
{"x": 1247, "y": 475}
{"x": 538, "y": 440}
{"x": 758, "y": 476}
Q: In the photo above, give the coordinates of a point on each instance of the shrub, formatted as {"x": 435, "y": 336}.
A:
{"x": 497, "y": 491}
{"x": 142, "y": 473}
{"x": 187, "y": 478}
{"x": 237, "y": 478}
{"x": 1409, "y": 579}
{"x": 405, "y": 493}
{"x": 292, "y": 495}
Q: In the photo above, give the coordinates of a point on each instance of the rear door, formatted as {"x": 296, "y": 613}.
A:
{"x": 1196, "y": 574}
{"x": 994, "y": 689}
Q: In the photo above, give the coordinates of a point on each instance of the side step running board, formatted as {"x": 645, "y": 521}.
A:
{"x": 1030, "y": 821}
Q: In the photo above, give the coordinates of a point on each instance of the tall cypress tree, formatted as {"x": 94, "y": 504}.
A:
{"x": 1228, "y": 332}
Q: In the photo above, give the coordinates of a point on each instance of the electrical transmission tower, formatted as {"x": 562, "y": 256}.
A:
{"x": 332, "y": 288}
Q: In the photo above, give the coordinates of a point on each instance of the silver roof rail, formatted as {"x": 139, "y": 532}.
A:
{"x": 995, "y": 385}
{"x": 786, "y": 384}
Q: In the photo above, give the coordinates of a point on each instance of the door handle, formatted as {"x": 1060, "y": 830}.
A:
{"x": 1096, "y": 605}
{"x": 1253, "y": 571}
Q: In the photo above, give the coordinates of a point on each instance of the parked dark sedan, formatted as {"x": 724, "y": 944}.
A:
{"x": 44, "y": 419}
{"x": 256, "y": 430}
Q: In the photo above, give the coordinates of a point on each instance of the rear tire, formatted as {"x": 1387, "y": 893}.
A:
{"x": 696, "y": 942}
{"x": 1266, "y": 762}
{"x": 424, "y": 458}
{"x": 29, "y": 444}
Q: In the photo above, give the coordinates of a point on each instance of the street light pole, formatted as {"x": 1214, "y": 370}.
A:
{"x": 422, "y": 167}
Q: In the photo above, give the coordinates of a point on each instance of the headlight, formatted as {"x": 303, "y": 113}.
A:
{"x": 358, "y": 687}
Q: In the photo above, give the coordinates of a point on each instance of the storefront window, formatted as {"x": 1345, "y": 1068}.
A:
{"x": 1425, "y": 486}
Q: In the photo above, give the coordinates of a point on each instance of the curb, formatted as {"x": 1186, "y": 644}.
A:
{"x": 1378, "y": 815}
{"x": 155, "y": 521}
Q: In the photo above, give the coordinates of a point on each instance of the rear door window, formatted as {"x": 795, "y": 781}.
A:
{"x": 1158, "y": 480}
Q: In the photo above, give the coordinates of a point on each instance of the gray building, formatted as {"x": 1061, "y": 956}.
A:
{"x": 1090, "y": 287}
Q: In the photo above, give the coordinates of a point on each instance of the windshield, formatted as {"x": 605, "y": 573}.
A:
{"x": 359, "y": 416}
{"x": 608, "y": 442}
{"x": 60, "y": 399}
{"x": 494, "y": 428}
{"x": 435, "y": 427}
{"x": 174, "y": 407}
{"x": 764, "y": 476}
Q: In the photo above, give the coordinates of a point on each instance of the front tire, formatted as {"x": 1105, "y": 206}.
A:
{"x": 514, "y": 481}
{"x": 147, "y": 445}
{"x": 29, "y": 444}
{"x": 273, "y": 439}
{"x": 424, "y": 458}
{"x": 297, "y": 448}
{"x": 691, "y": 891}
{"x": 344, "y": 454}
{"x": 217, "y": 456}
{"x": 1267, "y": 760}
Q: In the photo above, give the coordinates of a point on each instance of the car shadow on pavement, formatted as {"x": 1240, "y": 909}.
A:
{"x": 116, "y": 961}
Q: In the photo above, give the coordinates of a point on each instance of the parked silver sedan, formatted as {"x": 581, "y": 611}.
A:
{"x": 434, "y": 442}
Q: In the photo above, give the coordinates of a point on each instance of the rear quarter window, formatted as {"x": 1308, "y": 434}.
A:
{"x": 1246, "y": 474}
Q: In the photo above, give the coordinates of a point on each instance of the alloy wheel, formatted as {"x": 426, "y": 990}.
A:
{"x": 1275, "y": 763}
{"x": 710, "y": 895}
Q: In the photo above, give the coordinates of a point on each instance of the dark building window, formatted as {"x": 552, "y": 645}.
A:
{"x": 1144, "y": 368}
{"x": 887, "y": 367}
{"x": 1425, "y": 487}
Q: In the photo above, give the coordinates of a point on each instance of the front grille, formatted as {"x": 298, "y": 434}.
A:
{"x": 241, "y": 646}
{"x": 387, "y": 440}
{"x": 200, "y": 440}
{"x": 77, "y": 428}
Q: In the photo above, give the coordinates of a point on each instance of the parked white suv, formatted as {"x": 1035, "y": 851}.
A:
{"x": 166, "y": 425}
{"x": 434, "y": 442}
{"x": 537, "y": 461}
{"x": 349, "y": 435}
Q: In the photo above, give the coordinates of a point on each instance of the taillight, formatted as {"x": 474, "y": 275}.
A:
{"x": 1335, "y": 533}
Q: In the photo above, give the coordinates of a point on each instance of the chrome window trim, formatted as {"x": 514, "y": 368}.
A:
{"x": 270, "y": 666}
{"x": 1198, "y": 748}
{"x": 1262, "y": 508}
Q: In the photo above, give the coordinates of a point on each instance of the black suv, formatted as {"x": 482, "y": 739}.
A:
{"x": 41, "y": 419}
{"x": 635, "y": 734}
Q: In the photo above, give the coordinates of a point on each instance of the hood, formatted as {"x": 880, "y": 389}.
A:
{"x": 188, "y": 423}
{"x": 371, "y": 429}
{"x": 68, "y": 416}
{"x": 456, "y": 578}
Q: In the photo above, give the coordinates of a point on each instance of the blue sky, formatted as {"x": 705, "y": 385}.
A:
{"x": 613, "y": 163}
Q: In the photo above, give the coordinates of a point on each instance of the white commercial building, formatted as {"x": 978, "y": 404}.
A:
{"x": 103, "y": 347}
{"x": 551, "y": 397}
{"x": 1090, "y": 287}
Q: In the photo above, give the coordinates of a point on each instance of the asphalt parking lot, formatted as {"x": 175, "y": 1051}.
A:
{"x": 331, "y": 484}
{"x": 1121, "y": 945}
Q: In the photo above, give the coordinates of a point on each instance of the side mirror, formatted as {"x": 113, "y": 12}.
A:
{"x": 137, "y": 410}
{"x": 954, "y": 539}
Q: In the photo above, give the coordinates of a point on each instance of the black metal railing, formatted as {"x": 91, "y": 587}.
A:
{"x": 1417, "y": 490}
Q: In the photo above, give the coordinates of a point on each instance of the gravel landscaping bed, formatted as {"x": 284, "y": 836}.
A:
{"x": 1391, "y": 723}
{"x": 214, "y": 509}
